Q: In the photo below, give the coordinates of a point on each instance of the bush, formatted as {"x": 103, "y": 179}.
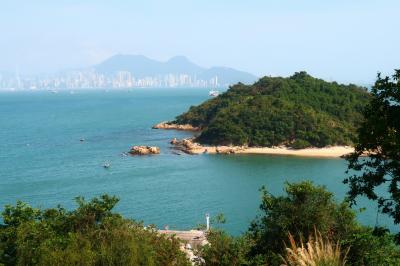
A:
{"x": 304, "y": 209}
{"x": 93, "y": 235}
{"x": 223, "y": 250}
{"x": 300, "y": 144}
{"x": 88, "y": 235}
{"x": 372, "y": 247}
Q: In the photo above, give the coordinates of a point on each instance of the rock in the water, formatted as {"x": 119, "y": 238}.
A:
{"x": 144, "y": 150}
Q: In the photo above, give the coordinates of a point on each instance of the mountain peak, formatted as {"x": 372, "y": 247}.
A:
{"x": 131, "y": 57}
{"x": 178, "y": 59}
{"x": 141, "y": 66}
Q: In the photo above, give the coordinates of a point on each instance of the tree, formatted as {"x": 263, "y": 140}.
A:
{"x": 92, "y": 234}
{"x": 371, "y": 247}
{"x": 223, "y": 250}
{"x": 303, "y": 210}
{"x": 379, "y": 139}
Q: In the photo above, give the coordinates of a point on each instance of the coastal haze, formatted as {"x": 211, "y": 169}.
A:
{"x": 131, "y": 71}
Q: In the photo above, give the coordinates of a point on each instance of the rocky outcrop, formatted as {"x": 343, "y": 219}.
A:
{"x": 226, "y": 150}
{"x": 189, "y": 146}
{"x": 185, "y": 145}
{"x": 190, "y": 242}
{"x": 144, "y": 150}
{"x": 169, "y": 125}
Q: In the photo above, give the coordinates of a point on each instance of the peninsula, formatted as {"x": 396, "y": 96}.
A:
{"x": 299, "y": 115}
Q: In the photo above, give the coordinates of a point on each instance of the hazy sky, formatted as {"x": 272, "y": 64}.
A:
{"x": 344, "y": 40}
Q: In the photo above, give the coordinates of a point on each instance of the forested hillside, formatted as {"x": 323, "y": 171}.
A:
{"x": 299, "y": 111}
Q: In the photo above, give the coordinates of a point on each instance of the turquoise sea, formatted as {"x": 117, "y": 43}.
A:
{"x": 43, "y": 161}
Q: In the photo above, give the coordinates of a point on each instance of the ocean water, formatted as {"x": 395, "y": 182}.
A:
{"x": 43, "y": 162}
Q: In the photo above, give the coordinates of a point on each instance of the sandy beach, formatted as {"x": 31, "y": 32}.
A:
{"x": 190, "y": 147}
{"x": 334, "y": 151}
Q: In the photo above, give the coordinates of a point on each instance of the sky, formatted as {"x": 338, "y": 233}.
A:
{"x": 347, "y": 41}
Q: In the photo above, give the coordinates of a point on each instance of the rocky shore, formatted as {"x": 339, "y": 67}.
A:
{"x": 190, "y": 147}
{"x": 144, "y": 150}
{"x": 169, "y": 125}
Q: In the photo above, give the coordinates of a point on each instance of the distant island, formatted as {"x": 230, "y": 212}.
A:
{"x": 297, "y": 112}
{"x": 123, "y": 71}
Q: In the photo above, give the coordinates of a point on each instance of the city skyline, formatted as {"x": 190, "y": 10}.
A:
{"x": 130, "y": 71}
{"x": 90, "y": 79}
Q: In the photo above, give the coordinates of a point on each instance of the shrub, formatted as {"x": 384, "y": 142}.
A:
{"x": 223, "y": 250}
{"x": 305, "y": 208}
{"x": 300, "y": 144}
{"x": 89, "y": 235}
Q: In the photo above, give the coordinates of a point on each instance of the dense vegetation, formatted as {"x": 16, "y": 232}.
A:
{"x": 299, "y": 111}
{"x": 88, "y": 235}
{"x": 379, "y": 134}
{"x": 93, "y": 235}
{"x": 304, "y": 210}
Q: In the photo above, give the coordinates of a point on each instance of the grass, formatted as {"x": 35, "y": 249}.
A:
{"x": 316, "y": 252}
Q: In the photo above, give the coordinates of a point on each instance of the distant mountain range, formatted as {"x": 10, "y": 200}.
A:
{"x": 141, "y": 66}
{"x": 131, "y": 71}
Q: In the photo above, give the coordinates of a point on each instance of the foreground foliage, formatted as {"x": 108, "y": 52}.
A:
{"x": 88, "y": 235}
{"x": 317, "y": 251}
{"x": 93, "y": 235}
{"x": 379, "y": 136}
{"x": 302, "y": 210}
{"x": 299, "y": 111}
{"x": 224, "y": 250}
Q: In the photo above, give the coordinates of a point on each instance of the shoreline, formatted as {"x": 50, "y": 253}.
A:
{"x": 171, "y": 126}
{"x": 190, "y": 147}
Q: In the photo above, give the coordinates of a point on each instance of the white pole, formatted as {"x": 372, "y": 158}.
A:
{"x": 208, "y": 221}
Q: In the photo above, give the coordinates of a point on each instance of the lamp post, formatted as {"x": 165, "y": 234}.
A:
{"x": 208, "y": 221}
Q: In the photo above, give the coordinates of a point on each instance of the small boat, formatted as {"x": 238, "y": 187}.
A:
{"x": 106, "y": 165}
{"x": 213, "y": 93}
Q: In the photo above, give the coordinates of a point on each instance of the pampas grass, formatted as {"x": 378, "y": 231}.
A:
{"x": 316, "y": 252}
